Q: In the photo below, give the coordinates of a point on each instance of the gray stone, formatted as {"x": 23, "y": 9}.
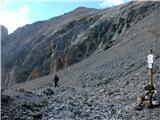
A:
{"x": 155, "y": 103}
{"x": 138, "y": 107}
{"x": 37, "y": 115}
{"x": 48, "y": 91}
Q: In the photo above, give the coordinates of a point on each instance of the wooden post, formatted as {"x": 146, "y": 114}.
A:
{"x": 150, "y": 66}
{"x": 151, "y": 76}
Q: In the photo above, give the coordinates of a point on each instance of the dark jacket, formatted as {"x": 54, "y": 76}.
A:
{"x": 56, "y": 78}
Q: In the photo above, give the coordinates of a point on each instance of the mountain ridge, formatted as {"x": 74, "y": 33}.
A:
{"x": 48, "y": 46}
{"x": 105, "y": 77}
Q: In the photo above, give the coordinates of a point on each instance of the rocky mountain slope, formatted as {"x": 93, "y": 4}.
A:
{"x": 45, "y": 47}
{"x": 36, "y": 42}
{"x": 104, "y": 85}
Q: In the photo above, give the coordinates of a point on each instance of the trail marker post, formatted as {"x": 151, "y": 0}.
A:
{"x": 150, "y": 61}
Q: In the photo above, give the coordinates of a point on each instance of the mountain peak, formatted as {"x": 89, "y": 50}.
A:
{"x": 84, "y": 9}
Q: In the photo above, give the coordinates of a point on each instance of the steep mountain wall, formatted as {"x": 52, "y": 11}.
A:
{"x": 44, "y": 47}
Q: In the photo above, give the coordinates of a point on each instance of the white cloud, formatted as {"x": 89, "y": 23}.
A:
{"x": 24, "y": 10}
{"x": 110, "y": 3}
{"x": 14, "y": 19}
{"x": 3, "y": 3}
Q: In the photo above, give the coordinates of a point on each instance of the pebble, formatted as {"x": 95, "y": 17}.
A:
{"x": 147, "y": 104}
{"x": 156, "y": 103}
{"x": 5, "y": 117}
{"x": 138, "y": 107}
{"x": 48, "y": 92}
{"x": 37, "y": 115}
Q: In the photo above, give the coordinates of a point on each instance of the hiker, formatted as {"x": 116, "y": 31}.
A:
{"x": 56, "y": 79}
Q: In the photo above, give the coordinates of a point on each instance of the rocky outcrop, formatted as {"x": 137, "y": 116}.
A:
{"x": 4, "y": 33}
{"x": 48, "y": 46}
{"x": 3, "y": 37}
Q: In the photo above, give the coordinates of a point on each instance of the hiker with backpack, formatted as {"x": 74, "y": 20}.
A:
{"x": 56, "y": 79}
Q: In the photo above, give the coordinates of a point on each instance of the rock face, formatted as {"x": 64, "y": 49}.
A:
{"x": 3, "y": 37}
{"x": 4, "y": 33}
{"x": 45, "y": 47}
{"x": 103, "y": 86}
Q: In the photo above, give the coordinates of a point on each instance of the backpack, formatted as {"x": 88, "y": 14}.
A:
{"x": 56, "y": 79}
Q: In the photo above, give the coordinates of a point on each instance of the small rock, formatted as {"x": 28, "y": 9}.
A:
{"x": 85, "y": 74}
{"x": 48, "y": 92}
{"x": 104, "y": 79}
{"x": 5, "y": 117}
{"x": 89, "y": 104}
{"x": 90, "y": 100}
{"x": 102, "y": 91}
{"x": 5, "y": 99}
{"x": 156, "y": 103}
{"x": 84, "y": 114}
{"x": 147, "y": 104}
{"x": 138, "y": 107}
{"x": 37, "y": 115}
{"x": 149, "y": 87}
{"x": 27, "y": 105}
{"x": 140, "y": 99}
{"x": 76, "y": 112}
{"x": 97, "y": 117}
{"x": 21, "y": 90}
{"x": 146, "y": 97}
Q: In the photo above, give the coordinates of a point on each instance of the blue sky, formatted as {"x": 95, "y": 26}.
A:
{"x": 16, "y": 13}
